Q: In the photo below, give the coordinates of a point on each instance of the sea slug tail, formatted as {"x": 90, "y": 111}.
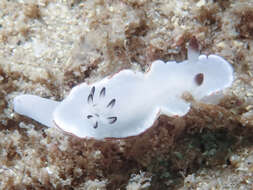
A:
{"x": 35, "y": 107}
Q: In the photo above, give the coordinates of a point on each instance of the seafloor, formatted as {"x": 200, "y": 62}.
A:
{"x": 49, "y": 46}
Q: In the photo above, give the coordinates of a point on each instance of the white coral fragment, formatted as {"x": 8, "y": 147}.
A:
{"x": 129, "y": 102}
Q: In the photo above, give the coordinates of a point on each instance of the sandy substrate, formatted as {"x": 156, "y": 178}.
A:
{"x": 47, "y": 47}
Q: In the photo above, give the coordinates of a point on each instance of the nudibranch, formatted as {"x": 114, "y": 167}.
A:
{"x": 127, "y": 103}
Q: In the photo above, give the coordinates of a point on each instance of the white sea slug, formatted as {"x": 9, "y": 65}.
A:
{"x": 127, "y": 103}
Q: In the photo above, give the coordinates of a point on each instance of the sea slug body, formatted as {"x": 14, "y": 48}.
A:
{"x": 128, "y": 103}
